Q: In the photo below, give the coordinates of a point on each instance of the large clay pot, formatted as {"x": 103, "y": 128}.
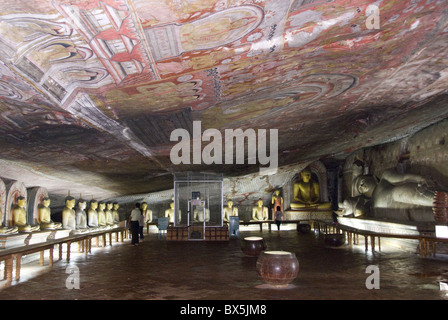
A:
{"x": 334, "y": 239}
{"x": 253, "y": 246}
{"x": 278, "y": 268}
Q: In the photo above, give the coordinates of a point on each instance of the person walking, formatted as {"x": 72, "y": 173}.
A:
{"x": 134, "y": 219}
{"x": 141, "y": 223}
{"x": 278, "y": 217}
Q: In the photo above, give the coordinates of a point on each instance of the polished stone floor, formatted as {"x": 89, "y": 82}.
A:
{"x": 161, "y": 270}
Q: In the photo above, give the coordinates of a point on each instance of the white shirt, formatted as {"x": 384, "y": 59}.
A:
{"x": 135, "y": 214}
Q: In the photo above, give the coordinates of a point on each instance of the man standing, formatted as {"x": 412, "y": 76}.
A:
{"x": 134, "y": 223}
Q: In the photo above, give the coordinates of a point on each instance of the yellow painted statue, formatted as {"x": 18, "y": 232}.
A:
{"x": 102, "y": 215}
{"x": 306, "y": 194}
{"x": 4, "y": 229}
{"x": 169, "y": 213}
{"x": 19, "y": 214}
{"x": 45, "y": 221}
{"x": 229, "y": 211}
{"x": 260, "y": 212}
{"x": 147, "y": 213}
{"x": 69, "y": 214}
{"x": 92, "y": 214}
{"x": 115, "y": 214}
{"x": 108, "y": 212}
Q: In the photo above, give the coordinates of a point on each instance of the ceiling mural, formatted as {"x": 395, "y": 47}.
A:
{"x": 90, "y": 91}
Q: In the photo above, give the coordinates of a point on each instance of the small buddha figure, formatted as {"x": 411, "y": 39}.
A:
{"x": 81, "y": 216}
{"x": 115, "y": 214}
{"x": 276, "y": 201}
{"x": 147, "y": 213}
{"x": 69, "y": 214}
{"x": 102, "y": 215}
{"x": 306, "y": 193}
{"x": 260, "y": 212}
{"x": 45, "y": 216}
{"x": 19, "y": 214}
{"x": 93, "y": 215}
{"x": 198, "y": 214}
{"x": 4, "y": 229}
{"x": 108, "y": 212}
{"x": 229, "y": 211}
{"x": 169, "y": 213}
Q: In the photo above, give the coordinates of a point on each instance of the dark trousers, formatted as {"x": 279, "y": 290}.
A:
{"x": 278, "y": 223}
{"x": 140, "y": 231}
{"x": 134, "y": 232}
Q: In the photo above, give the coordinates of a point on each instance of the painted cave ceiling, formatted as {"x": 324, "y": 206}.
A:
{"x": 90, "y": 91}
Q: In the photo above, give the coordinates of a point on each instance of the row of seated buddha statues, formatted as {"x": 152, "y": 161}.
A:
{"x": 100, "y": 216}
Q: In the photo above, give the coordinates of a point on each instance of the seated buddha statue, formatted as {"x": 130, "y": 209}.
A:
{"x": 169, "y": 213}
{"x": 229, "y": 211}
{"x": 93, "y": 215}
{"x": 147, "y": 213}
{"x": 115, "y": 214}
{"x": 260, "y": 212}
{"x": 306, "y": 194}
{"x": 81, "y": 216}
{"x": 4, "y": 229}
{"x": 198, "y": 214}
{"x": 45, "y": 216}
{"x": 69, "y": 214}
{"x": 102, "y": 215}
{"x": 19, "y": 215}
{"x": 108, "y": 212}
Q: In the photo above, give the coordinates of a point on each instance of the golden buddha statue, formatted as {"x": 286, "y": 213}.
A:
{"x": 19, "y": 215}
{"x": 69, "y": 214}
{"x": 93, "y": 214}
{"x": 147, "y": 213}
{"x": 4, "y": 229}
{"x": 169, "y": 213}
{"x": 45, "y": 216}
{"x": 229, "y": 211}
{"x": 260, "y": 212}
{"x": 307, "y": 194}
{"x": 115, "y": 214}
{"x": 102, "y": 215}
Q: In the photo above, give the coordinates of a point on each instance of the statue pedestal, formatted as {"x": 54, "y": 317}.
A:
{"x": 324, "y": 215}
{"x": 8, "y": 241}
{"x": 58, "y": 234}
{"x": 38, "y": 237}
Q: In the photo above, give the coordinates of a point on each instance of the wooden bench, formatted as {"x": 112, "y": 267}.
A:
{"x": 259, "y": 222}
{"x": 9, "y": 255}
{"x": 426, "y": 244}
{"x": 84, "y": 242}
